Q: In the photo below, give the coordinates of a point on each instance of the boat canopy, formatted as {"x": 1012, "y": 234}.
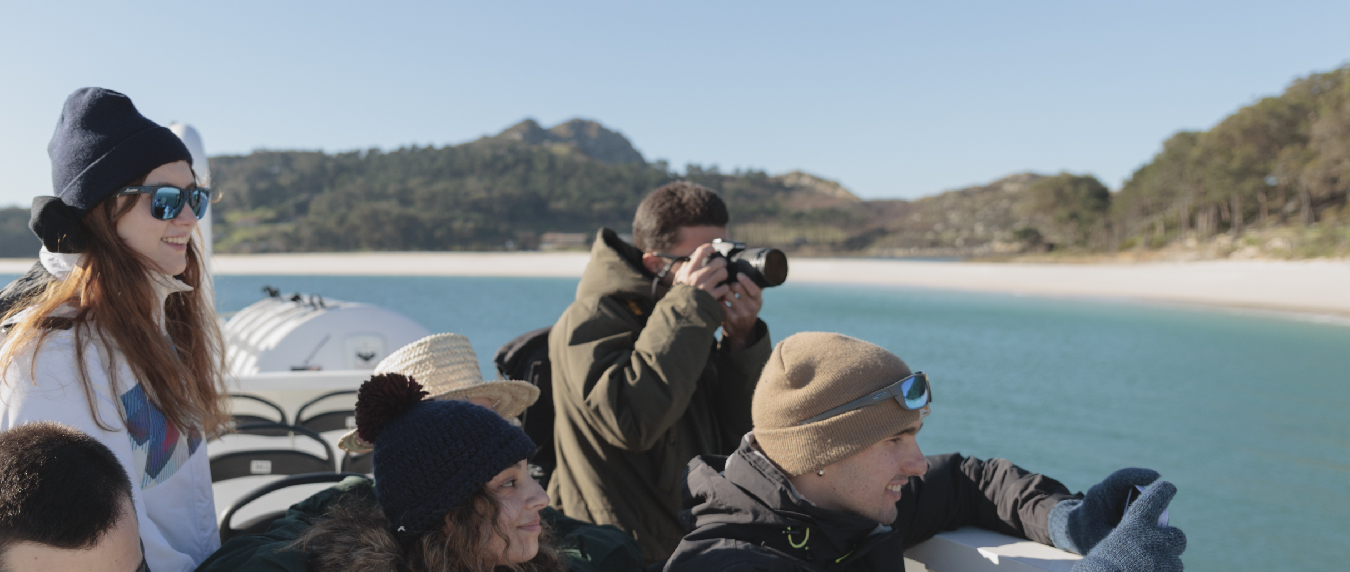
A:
{"x": 305, "y": 332}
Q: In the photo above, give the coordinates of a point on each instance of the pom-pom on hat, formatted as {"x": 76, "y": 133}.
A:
{"x": 430, "y": 456}
{"x": 382, "y": 399}
{"x": 101, "y": 142}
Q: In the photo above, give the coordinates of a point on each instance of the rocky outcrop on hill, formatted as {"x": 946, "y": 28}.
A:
{"x": 806, "y": 192}
{"x": 825, "y": 187}
{"x": 581, "y": 136}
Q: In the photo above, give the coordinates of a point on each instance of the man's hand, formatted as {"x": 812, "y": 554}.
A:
{"x": 707, "y": 277}
{"x": 1138, "y": 544}
{"x": 742, "y": 304}
{"x": 1077, "y": 526}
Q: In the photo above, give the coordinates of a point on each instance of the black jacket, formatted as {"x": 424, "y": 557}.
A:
{"x": 742, "y": 513}
{"x": 24, "y": 288}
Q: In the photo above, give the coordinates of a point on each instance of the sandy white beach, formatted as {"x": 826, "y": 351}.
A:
{"x": 1314, "y": 286}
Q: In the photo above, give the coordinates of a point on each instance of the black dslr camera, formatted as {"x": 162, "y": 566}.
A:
{"x": 765, "y": 266}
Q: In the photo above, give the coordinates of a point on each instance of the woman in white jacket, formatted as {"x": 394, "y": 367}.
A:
{"x": 122, "y": 344}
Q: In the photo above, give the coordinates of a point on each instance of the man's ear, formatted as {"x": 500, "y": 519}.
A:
{"x": 652, "y": 262}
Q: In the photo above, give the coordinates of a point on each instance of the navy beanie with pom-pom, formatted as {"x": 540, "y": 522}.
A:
{"x": 430, "y": 456}
{"x": 101, "y": 143}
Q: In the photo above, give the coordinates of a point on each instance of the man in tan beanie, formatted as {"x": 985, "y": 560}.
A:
{"x": 831, "y": 477}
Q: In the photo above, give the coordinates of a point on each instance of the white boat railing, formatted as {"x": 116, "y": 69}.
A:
{"x": 971, "y": 549}
{"x": 291, "y": 389}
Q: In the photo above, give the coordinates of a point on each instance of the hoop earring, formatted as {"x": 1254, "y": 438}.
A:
{"x": 820, "y": 473}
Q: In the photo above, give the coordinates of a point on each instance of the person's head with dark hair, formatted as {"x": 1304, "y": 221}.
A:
{"x": 675, "y": 225}
{"x": 65, "y": 503}
{"x": 674, "y": 229}
{"x": 669, "y": 209}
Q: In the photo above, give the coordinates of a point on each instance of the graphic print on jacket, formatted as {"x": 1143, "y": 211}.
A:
{"x": 160, "y": 448}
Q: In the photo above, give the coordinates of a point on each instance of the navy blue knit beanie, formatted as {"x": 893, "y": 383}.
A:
{"x": 101, "y": 142}
{"x": 430, "y": 456}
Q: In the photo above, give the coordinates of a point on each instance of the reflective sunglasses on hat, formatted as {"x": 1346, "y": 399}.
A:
{"x": 166, "y": 201}
{"x": 912, "y": 393}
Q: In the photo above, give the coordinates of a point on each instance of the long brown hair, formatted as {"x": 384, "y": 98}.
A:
{"x": 355, "y": 536}
{"x": 114, "y": 303}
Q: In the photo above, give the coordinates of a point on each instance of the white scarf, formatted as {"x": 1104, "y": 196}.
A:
{"x": 58, "y": 264}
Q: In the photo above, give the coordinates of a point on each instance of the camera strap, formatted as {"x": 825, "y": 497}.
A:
{"x": 670, "y": 262}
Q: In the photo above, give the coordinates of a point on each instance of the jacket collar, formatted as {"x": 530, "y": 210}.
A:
{"x": 615, "y": 270}
{"x": 746, "y": 497}
{"x": 164, "y": 286}
{"x": 59, "y": 264}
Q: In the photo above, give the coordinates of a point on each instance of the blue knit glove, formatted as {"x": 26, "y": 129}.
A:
{"x": 1139, "y": 544}
{"x": 1078, "y": 525}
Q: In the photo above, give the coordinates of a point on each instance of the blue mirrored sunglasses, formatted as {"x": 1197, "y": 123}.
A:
{"x": 166, "y": 201}
{"x": 912, "y": 393}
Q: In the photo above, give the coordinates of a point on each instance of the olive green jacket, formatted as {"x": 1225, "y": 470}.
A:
{"x": 640, "y": 387}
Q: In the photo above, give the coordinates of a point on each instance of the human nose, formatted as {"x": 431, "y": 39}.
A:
{"x": 185, "y": 217}
{"x": 537, "y": 498}
{"x": 913, "y": 464}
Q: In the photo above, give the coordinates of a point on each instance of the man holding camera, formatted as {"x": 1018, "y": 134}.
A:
{"x": 641, "y": 384}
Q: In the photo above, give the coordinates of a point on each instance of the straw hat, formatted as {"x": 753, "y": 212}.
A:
{"x": 447, "y": 368}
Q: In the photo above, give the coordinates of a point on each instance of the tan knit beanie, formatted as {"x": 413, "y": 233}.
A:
{"x": 812, "y": 372}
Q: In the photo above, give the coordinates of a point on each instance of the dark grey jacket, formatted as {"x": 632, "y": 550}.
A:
{"x": 742, "y": 513}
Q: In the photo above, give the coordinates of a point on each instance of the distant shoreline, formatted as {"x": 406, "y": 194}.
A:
{"x": 1318, "y": 287}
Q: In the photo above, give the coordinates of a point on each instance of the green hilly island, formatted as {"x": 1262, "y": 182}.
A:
{"x": 1270, "y": 180}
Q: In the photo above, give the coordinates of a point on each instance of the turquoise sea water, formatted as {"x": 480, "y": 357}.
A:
{"x": 1246, "y": 413}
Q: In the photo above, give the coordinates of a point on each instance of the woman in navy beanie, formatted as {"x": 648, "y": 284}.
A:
{"x": 453, "y": 488}
{"x": 119, "y": 341}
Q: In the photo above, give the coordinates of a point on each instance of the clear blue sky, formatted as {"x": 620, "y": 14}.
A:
{"x": 892, "y": 100}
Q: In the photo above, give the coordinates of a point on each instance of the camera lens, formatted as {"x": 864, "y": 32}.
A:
{"x": 770, "y": 264}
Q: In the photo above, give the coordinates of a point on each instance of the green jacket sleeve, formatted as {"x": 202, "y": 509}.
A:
{"x": 628, "y": 381}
